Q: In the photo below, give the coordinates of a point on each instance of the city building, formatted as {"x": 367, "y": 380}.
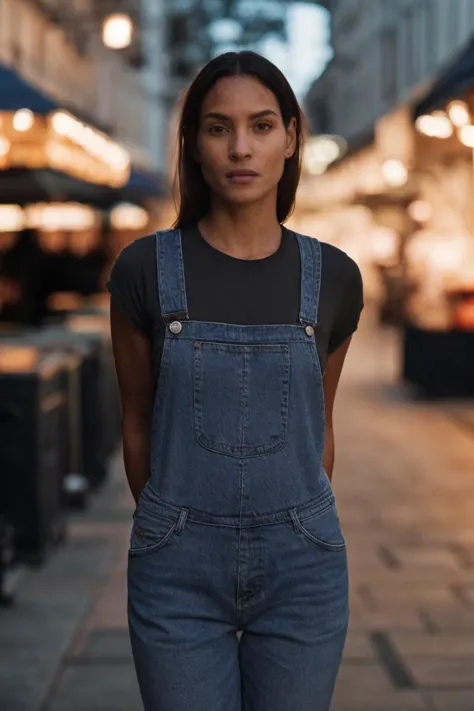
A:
{"x": 53, "y": 55}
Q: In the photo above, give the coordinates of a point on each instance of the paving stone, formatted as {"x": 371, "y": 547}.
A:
{"x": 107, "y": 645}
{"x": 367, "y": 688}
{"x": 445, "y": 645}
{"x": 359, "y": 647}
{"x": 392, "y": 619}
{"x": 360, "y": 679}
{"x": 451, "y": 701}
{"x": 455, "y": 618}
{"x": 444, "y": 671}
{"x": 390, "y": 596}
{"x": 395, "y": 701}
{"x": 425, "y": 556}
{"x": 99, "y": 687}
{"x": 466, "y": 593}
{"x": 35, "y": 634}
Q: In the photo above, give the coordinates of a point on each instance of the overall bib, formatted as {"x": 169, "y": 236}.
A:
{"x": 237, "y": 528}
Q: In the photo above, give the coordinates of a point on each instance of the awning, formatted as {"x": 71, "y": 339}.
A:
{"x": 144, "y": 184}
{"x": 452, "y": 83}
{"x": 24, "y": 185}
{"x": 51, "y": 181}
{"x": 16, "y": 93}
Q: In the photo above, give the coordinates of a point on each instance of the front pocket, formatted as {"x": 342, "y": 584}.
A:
{"x": 323, "y": 529}
{"x": 150, "y": 532}
{"x": 241, "y": 397}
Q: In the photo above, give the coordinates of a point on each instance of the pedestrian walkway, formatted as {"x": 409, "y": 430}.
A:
{"x": 404, "y": 483}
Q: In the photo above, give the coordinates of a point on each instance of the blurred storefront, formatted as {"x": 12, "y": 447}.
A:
{"x": 71, "y": 197}
{"x": 358, "y": 203}
{"x": 439, "y": 331}
{"x": 402, "y": 206}
{"x": 399, "y": 89}
{"x": 81, "y": 157}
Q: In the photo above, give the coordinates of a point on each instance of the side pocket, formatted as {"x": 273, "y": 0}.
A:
{"x": 322, "y": 530}
{"x": 150, "y": 532}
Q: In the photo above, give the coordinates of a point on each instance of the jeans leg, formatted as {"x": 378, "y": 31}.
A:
{"x": 181, "y": 611}
{"x": 294, "y": 634}
{"x": 282, "y": 674}
{"x": 179, "y": 677}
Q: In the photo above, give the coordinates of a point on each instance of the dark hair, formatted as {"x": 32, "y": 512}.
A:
{"x": 191, "y": 191}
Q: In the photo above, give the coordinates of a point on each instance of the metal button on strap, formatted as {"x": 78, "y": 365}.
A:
{"x": 309, "y": 331}
{"x": 176, "y": 327}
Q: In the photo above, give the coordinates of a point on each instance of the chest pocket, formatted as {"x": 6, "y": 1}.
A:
{"x": 241, "y": 397}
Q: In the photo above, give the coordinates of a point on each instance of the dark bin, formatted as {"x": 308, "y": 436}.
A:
{"x": 7, "y": 557}
{"x": 71, "y": 427}
{"x": 440, "y": 363}
{"x": 97, "y": 324}
{"x": 93, "y": 456}
{"x": 33, "y": 405}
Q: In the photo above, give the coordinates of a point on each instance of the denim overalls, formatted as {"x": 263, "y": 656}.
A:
{"x": 237, "y": 529}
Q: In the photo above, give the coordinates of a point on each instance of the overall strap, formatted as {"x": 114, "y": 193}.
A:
{"x": 310, "y": 252}
{"x": 171, "y": 281}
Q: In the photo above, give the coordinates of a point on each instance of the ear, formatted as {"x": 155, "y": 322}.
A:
{"x": 291, "y": 139}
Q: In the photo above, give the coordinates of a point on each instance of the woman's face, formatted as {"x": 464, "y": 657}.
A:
{"x": 242, "y": 141}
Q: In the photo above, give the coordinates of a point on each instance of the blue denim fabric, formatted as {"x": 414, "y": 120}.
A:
{"x": 237, "y": 527}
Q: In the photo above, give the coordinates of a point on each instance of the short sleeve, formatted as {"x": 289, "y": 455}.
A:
{"x": 127, "y": 286}
{"x": 352, "y": 303}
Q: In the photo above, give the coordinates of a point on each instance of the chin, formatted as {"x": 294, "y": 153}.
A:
{"x": 245, "y": 195}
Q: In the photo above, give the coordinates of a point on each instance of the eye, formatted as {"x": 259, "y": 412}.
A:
{"x": 217, "y": 130}
{"x": 263, "y": 126}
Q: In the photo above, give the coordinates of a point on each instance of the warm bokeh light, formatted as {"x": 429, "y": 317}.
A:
{"x": 23, "y": 120}
{"x": 458, "y": 112}
{"x": 60, "y": 216}
{"x": 395, "y": 172}
{"x": 466, "y": 136}
{"x": 435, "y": 125}
{"x": 321, "y": 151}
{"x": 420, "y": 211}
{"x": 117, "y": 31}
{"x": 12, "y": 218}
{"x": 127, "y": 216}
{"x": 5, "y": 146}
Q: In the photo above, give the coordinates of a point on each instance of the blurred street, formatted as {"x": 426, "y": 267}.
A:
{"x": 404, "y": 486}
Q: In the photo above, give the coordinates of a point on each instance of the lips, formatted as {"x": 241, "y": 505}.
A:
{"x": 241, "y": 176}
{"x": 238, "y": 173}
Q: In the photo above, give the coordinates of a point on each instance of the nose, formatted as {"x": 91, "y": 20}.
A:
{"x": 240, "y": 145}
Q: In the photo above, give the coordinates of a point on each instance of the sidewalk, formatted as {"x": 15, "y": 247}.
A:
{"x": 404, "y": 483}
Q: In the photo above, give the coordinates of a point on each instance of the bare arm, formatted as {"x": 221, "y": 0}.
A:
{"x": 330, "y": 382}
{"x": 132, "y": 352}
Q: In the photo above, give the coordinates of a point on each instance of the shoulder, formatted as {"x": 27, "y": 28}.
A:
{"x": 138, "y": 251}
{"x": 136, "y": 261}
{"x": 135, "y": 266}
{"x": 337, "y": 264}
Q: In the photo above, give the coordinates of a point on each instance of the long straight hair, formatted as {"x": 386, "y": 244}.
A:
{"x": 191, "y": 192}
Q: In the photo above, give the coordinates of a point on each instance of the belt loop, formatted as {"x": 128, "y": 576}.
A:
{"x": 182, "y": 521}
{"x": 295, "y": 520}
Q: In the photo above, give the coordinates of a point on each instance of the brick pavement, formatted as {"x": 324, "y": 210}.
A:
{"x": 404, "y": 483}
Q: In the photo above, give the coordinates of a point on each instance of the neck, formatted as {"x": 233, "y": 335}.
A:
{"x": 242, "y": 231}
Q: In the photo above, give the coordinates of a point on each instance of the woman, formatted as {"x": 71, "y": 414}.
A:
{"x": 221, "y": 330}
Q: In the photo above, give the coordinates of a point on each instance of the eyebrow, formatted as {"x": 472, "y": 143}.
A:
{"x": 259, "y": 114}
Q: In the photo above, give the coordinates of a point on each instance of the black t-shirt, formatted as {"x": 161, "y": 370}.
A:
{"x": 224, "y": 289}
